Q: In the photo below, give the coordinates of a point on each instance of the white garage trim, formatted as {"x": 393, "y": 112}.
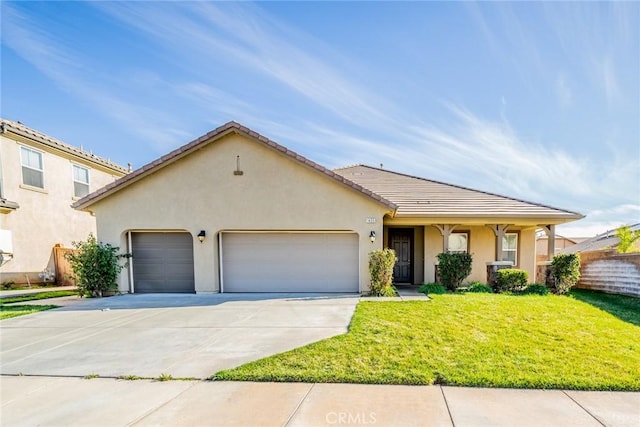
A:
{"x": 346, "y": 278}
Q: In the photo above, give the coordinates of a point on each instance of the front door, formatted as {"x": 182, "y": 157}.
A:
{"x": 401, "y": 241}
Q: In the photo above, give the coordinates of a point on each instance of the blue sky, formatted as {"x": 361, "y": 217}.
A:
{"x": 539, "y": 101}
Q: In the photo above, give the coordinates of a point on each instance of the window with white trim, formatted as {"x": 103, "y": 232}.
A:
{"x": 32, "y": 167}
{"x": 80, "y": 181}
{"x": 459, "y": 242}
{"x": 510, "y": 248}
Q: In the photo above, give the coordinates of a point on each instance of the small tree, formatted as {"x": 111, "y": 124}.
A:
{"x": 565, "y": 271}
{"x": 95, "y": 266}
{"x": 627, "y": 238}
{"x": 381, "y": 263}
{"x": 453, "y": 268}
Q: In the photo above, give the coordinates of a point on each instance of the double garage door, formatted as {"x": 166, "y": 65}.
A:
{"x": 250, "y": 262}
{"x": 289, "y": 262}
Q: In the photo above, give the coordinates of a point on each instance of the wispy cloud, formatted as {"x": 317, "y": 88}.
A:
{"x": 342, "y": 121}
{"x": 57, "y": 61}
{"x": 563, "y": 91}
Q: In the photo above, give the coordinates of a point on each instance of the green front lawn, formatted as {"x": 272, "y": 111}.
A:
{"x": 15, "y": 310}
{"x": 37, "y": 296}
{"x": 480, "y": 340}
{"x": 8, "y": 311}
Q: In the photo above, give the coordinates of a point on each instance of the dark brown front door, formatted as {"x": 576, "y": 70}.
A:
{"x": 401, "y": 241}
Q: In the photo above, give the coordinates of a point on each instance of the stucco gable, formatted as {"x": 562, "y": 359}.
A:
{"x": 212, "y": 137}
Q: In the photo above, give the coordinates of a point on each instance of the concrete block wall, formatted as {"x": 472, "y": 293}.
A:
{"x": 611, "y": 272}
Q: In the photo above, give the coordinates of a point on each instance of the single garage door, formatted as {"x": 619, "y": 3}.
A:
{"x": 162, "y": 262}
{"x": 290, "y": 262}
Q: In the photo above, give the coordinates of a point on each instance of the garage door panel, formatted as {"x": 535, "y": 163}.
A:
{"x": 163, "y": 262}
{"x": 290, "y": 262}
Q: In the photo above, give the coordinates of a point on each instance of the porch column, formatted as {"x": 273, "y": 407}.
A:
{"x": 550, "y": 231}
{"x": 445, "y": 230}
{"x": 499, "y": 230}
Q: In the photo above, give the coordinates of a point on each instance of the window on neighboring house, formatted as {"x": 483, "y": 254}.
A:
{"x": 510, "y": 248}
{"x": 32, "y": 169}
{"x": 459, "y": 242}
{"x": 80, "y": 181}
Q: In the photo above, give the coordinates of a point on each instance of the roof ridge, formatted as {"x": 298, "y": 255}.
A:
{"x": 26, "y": 131}
{"x": 232, "y": 126}
{"x": 472, "y": 189}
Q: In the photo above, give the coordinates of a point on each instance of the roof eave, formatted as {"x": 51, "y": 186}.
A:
{"x": 220, "y": 132}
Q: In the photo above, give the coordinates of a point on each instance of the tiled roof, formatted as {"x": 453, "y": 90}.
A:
{"x": 419, "y": 197}
{"x": 605, "y": 240}
{"x": 26, "y": 132}
{"x": 206, "y": 139}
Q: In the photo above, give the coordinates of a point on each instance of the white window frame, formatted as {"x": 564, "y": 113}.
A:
{"x": 515, "y": 251}
{"x": 74, "y": 181}
{"x": 466, "y": 233}
{"x": 23, "y": 165}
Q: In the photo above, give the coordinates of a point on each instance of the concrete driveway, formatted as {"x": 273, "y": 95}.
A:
{"x": 175, "y": 334}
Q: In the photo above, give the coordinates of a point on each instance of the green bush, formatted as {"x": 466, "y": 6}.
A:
{"x": 535, "y": 289}
{"x": 432, "y": 288}
{"x": 95, "y": 266}
{"x": 453, "y": 268}
{"x": 381, "y": 264}
{"x": 478, "y": 287}
{"x": 565, "y": 271}
{"x": 511, "y": 280}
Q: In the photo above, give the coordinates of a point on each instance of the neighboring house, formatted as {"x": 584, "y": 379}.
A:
{"x": 40, "y": 177}
{"x": 542, "y": 244}
{"x": 606, "y": 240}
{"x": 233, "y": 211}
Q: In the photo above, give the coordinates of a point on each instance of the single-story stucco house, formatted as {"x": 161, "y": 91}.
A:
{"x": 233, "y": 211}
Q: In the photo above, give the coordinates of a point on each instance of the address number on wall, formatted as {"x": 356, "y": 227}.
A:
{"x": 370, "y": 220}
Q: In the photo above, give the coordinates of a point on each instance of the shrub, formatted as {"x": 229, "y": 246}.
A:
{"x": 536, "y": 289}
{"x": 95, "y": 266}
{"x": 453, "y": 268}
{"x": 381, "y": 264}
{"x": 565, "y": 271}
{"x": 432, "y": 288}
{"x": 511, "y": 280}
{"x": 478, "y": 287}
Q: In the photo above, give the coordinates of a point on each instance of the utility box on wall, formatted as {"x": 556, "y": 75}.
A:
{"x": 492, "y": 270}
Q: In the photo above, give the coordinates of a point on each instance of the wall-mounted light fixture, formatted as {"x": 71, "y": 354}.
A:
{"x": 372, "y": 236}
{"x": 201, "y": 236}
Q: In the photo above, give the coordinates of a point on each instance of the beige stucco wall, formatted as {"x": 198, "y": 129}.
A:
{"x": 482, "y": 247}
{"x": 45, "y": 216}
{"x": 201, "y": 192}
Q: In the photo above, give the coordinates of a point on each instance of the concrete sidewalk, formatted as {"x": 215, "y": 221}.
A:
{"x": 67, "y": 401}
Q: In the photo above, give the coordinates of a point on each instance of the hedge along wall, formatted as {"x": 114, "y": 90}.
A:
{"x": 609, "y": 271}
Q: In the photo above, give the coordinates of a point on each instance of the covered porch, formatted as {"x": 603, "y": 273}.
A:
{"x": 418, "y": 242}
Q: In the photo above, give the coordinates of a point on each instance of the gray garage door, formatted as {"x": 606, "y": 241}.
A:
{"x": 162, "y": 262}
{"x": 290, "y": 262}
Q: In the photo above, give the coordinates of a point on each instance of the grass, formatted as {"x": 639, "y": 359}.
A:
{"x": 15, "y": 310}
{"x": 623, "y": 307}
{"x": 37, "y": 296}
{"x": 479, "y": 340}
{"x": 8, "y": 311}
